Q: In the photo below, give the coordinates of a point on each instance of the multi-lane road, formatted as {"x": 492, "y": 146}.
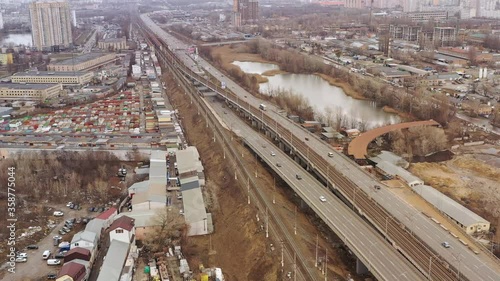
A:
{"x": 365, "y": 242}
{"x": 412, "y": 233}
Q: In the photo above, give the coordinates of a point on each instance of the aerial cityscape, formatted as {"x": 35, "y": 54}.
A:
{"x": 259, "y": 140}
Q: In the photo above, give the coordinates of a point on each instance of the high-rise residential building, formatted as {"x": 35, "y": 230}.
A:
{"x": 51, "y": 24}
{"x": 245, "y": 12}
{"x": 410, "y": 5}
{"x": 356, "y": 4}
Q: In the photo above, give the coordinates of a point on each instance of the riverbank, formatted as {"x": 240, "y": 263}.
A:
{"x": 228, "y": 55}
{"x": 403, "y": 115}
{"x": 348, "y": 90}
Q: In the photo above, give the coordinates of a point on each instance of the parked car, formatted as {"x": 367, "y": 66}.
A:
{"x": 51, "y": 276}
{"x": 58, "y": 214}
{"x": 19, "y": 259}
{"x": 66, "y": 229}
{"x": 77, "y": 207}
{"x": 60, "y": 256}
{"x": 46, "y": 254}
{"x": 53, "y": 262}
{"x": 21, "y": 255}
{"x": 78, "y": 220}
{"x": 69, "y": 204}
{"x": 32, "y": 247}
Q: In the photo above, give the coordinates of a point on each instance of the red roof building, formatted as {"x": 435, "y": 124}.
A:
{"x": 77, "y": 253}
{"x": 72, "y": 271}
{"x": 122, "y": 229}
{"x": 106, "y": 215}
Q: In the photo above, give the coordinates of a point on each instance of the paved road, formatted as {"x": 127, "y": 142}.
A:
{"x": 357, "y": 234}
{"x": 474, "y": 267}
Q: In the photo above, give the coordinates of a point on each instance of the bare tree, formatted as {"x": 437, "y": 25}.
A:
{"x": 168, "y": 225}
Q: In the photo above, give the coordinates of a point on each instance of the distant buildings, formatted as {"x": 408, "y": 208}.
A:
{"x": 357, "y": 4}
{"x": 427, "y": 15}
{"x": 47, "y": 77}
{"x": 113, "y": 44}
{"x": 51, "y": 25}
{"x": 84, "y": 62}
{"x": 245, "y": 12}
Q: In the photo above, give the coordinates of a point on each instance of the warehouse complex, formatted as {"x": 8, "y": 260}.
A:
{"x": 28, "y": 92}
{"x": 51, "y": 77}
{"x": 84, "y": 62}
{"x": 469, "y": 221}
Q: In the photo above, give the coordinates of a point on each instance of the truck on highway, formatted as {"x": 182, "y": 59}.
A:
{"x": 262, "y": 106}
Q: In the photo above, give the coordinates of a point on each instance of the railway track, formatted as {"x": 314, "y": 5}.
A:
{"x": 412, "y": 248}
{"x": 276, "y": 226}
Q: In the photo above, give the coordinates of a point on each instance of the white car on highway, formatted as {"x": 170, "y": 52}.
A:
{"x": 322, "y": 198}
{"x": 272, "y": 153}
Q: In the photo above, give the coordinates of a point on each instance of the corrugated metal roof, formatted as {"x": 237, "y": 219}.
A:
{"x": 448, "y": 206}
{"x": 394, "y": 170}
{"x": 391, "y": 158}
{"x": 112, "y": 267}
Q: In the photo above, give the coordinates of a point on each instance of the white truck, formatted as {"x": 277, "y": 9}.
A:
{"x": 262, "y": 107}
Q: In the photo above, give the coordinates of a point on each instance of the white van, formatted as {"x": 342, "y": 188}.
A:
{"x": 53, "y": 262}
{"x": 330, "y": 154}
{"x": 46, "y": 254}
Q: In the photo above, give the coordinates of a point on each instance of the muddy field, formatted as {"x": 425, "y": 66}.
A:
{"x": 471, "y": 177}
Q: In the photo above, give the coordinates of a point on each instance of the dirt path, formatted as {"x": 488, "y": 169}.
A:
{"x": 36, "y": 268}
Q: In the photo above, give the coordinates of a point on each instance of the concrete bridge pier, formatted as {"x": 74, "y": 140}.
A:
{"x": 361, "y": 269}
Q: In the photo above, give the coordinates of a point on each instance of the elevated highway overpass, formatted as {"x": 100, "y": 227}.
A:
{"x": 358, "y": 147}
{"x": 414, "y": 235}
{"x": 363, "y": 240}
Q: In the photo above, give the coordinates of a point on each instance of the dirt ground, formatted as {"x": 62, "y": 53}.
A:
{"x": 471, "y": 178}
{"x": 238, "y": 245}
{"x": 235, "y": 245}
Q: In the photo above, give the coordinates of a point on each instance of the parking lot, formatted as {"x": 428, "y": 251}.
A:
{"x": 36, "y": 268}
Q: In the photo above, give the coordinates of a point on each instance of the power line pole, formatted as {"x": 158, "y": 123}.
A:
{"x": 267, "y": 224}
{"x": 295, "y": 221}
{"x": 274, "y": 191}
{"x": 248, "y": 189}
{"x": 282, "y": 256}
{"x": 294, "y": 266}
{"x": 316, "y": 262}
{"x": 326, "y": 263}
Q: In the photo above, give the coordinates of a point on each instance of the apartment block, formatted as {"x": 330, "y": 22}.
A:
{"x": 50, "y": 24}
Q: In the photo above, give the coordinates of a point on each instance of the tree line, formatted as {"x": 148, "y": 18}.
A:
{"x": 413, "y": 100}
